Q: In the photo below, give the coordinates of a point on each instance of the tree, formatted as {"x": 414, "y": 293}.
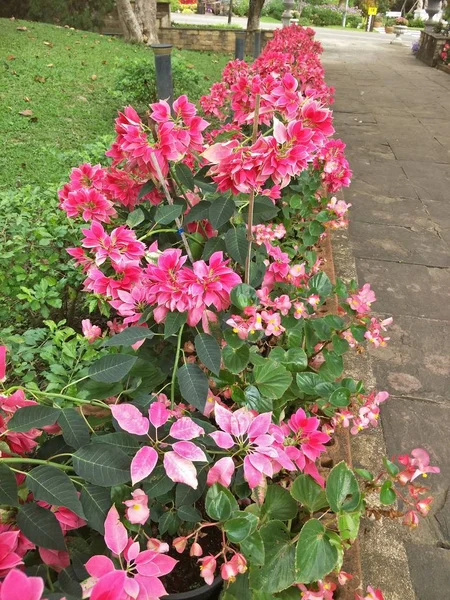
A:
{"x": 138, "y": 24}
{"x": 254, "y": 14}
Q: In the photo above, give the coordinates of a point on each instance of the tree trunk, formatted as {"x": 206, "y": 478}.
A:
{"x": 145, "y": 11}
{"x": 130, "y": 25}
{"x": 254, "y": 14}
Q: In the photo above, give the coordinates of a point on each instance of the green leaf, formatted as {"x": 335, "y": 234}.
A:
{"x": 173, "y": 323}
{"x": 236, "y": 359}
{"x": 135, "y": 218}
{"x": 340, "y": 345}
{"x": 278, "y": 504}
{"x": 185, "y": 176}
{"x": 96, "y": 501}
{"x": 220, "y": 211}
{"x": 168, "y": 523}
{"x": 102, "y": 464}
{"x": 315, "y": 555}
{"x": 74, "y": 429}
{"x": 215, "y": 244}
{"x": 33, "y": 417}
{"x": 309, "y": 493}
{"x": 120, "y": 439}
{"x": 295, "y": 360}
{"x": 240, "y": 526}
{"x": 167, "y": 213}
{"x": 272, "y": 379}
{"x": 146, "y": 189}
{"x": 255, "y": 401}
{"x": 220, "y": 503}
{"x": 340, "y": 397}
{"x": 342, "y": 489}
{"x": 189, "y": 514}
{"x": 157, "y": 483}
{"x": 197, "y": 213}
{"x": 364, "y": 473}
{"x": 277, "y": 573}
{"x": 320, "y": 284}
{"x": 243, "y": 295}
{"x": 40, "y": 526}
{"x": 129, "y": 336}
{"x": 263, "y": 210}
{"x": 69, "y": 585}
{"x": 111, "y": 368}
{"x": 387, "y": 494}
{"x": 348, "y": 524}
{"x": 238, "y": 589}
{"x": 333, "y": 367}
{"x": 194, "y": 385}
{"x": 253, "y": 549}
{"x": 391, "y": 468}
{"x": 237, "y": 244}
{"x": 53, "y": 486}
{"x": 208, "y": 351}
{"x": 307, "y": 383}
{"x": 8, "y": 487}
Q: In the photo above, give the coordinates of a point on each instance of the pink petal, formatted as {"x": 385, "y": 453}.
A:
{"x": 223, "y": 417}
{"x": 143, "y": 463}
{"x": 185, "y": 429}
{"x": 279, "y": 131}
{"x": 221, "y": 472}
{"x": 158, "y": 414}
{"x": 110, "y": 587}
{"x": 190, "y": 451}
{"x": 260, "y": 425}
{"x": 99, "y": 565}
{"x": 116, "y": 537}
{"x": 17, "y": 585}
{"x": 222, "y": 439}
{"x": 130, "y": 418}
{"x": 180, "y": 469}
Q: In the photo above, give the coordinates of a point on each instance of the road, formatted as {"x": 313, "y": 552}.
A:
{"x": 323, "y": 34}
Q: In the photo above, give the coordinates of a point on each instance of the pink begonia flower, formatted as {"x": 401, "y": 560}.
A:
{"x": 362, "y": 301}
{"x": 17, "y": 585}
{"x": 371, "y": 594}
{"x": 373, "y": 333}
{"x": 137, "y": 508}
{"x": 2, "y": 363}
{"x": 208, "y": 566}
{"x": 418, "y": 465}
{"x": 90, "y": 332}
{"x": 140, "y": 579}
{"x": 411, "y": 519}
{"x": 325, "y": 591}
{"x": 8, "y": 555}
{"x": 143, "y": 464}
{"x": 423, "y": 506}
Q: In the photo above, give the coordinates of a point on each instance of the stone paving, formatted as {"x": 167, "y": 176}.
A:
{"x": 394, "y": 115}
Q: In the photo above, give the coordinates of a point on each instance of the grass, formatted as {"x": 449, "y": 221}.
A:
{"x": 65, "y": 78}
{"x": 269, "y": 20}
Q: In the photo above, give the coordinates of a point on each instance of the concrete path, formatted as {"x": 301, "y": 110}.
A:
{"x": 394, "y": 115}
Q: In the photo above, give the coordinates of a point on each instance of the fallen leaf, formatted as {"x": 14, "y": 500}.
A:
{"x": 22, "y": 28}
{"x": 93, "y": 77}
{"x": 10, "y": 57}
{"x": 40, "y": 78}
{"x": 82, "y": 98}
{"x": 104, "y": 62}
{"x": 48, "y": 44}
{"x": 26, "y": 113}
{"x": 51, "y": 65}
{"x": 34, "y": 119}
{"x": 26, "y": 99}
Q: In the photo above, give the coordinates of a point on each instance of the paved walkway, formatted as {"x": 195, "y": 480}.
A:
{"x": 394, "y": 114}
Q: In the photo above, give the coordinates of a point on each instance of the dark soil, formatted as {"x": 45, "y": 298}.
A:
{"x": 186, "y": 575}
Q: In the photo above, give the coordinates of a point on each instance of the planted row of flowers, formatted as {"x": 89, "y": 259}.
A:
{"x": 191, "y": 449}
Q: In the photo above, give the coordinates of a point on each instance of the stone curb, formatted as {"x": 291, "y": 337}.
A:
{"x": 380, "y": 557}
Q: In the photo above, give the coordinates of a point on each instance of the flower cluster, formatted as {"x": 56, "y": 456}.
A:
{"x": 445, "y": 54}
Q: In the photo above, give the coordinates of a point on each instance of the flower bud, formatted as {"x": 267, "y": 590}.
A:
{"x": 240, "y": 562}
{"x": 196, "y": 550}
{"x": 157, "y": 546}
{"x": 179, "y": 544}
{"x": 189, "y": 348}
{"x": 411, "y": 519}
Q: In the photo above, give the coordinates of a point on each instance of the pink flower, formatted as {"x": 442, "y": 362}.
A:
{"x": 90, "y": 204}
{"x": 86, "y": 176}
{"x": 2, "y": 363}
{"x": 207, "y": 568}
{"x": 137, "y": 508}
{"x": 362, "y": 301}
{"x": 8, "y": 555}
{"x": 17, "y": 585}
{"x": 120, "y": 245}
{"x": 221, "y": 472}
{"x": 90, "y": 332}
{"x": 424, "y": 506}
{"x": 324, "y": 592}
{"x": 371, "y": 594}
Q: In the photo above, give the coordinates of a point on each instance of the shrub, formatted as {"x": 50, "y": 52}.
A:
{"x": 37, "y": 278}
{"x": 136, "y": 82}
{"x": 273, "y": 8}
{"x": 82, "y": 14}
{"x": 420, "y": 23}
{"x": 353, "y": 21}
{"x": 241, "y": 7}
{"x": 323, "y": 16}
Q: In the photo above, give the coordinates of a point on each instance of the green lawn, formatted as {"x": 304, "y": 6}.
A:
{"x": 269, "y": 20}
{"x": 65, "y": 78}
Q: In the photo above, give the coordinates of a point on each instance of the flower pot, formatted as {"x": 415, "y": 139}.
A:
{"x": 206, "y": 592}
{"x": 378, "y": 24}
{"x": 388, "y": 29}
{"x": 400, "y": 29}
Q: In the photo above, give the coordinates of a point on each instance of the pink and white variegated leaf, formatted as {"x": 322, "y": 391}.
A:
{"x": 180, "y": 469}
{"x": 186, "y": 429}
{"x": 116, "y": 536}
{"x": 130, "y": 418}
{"x": 190, "y": 451}
{"x": 143, "y": 464}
